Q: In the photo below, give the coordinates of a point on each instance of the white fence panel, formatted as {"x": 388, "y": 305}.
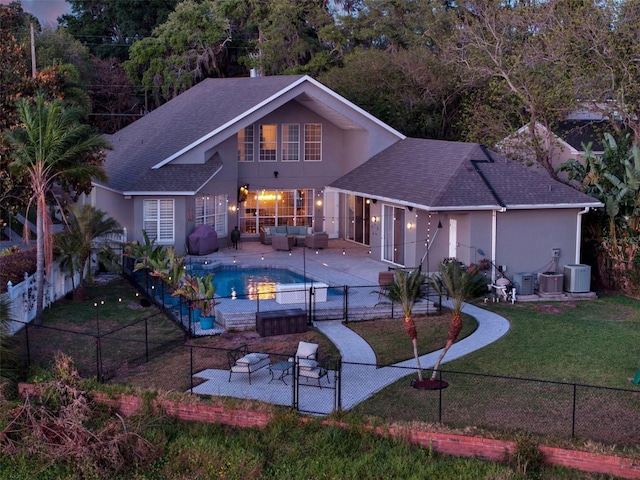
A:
{"x": 22, "y": 297}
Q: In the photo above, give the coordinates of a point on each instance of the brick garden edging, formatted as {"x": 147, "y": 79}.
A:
{"x": 447, "y": 443}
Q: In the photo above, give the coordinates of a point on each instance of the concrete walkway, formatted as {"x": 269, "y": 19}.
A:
{"x": 342, "y": 263}
{"x": 361, "y": 378}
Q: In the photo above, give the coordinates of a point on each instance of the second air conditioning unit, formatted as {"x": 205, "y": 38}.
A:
{"x": 551, "y": 282}
{"x": 577, "y": 278}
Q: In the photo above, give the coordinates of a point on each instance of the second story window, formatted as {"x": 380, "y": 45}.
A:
{"x": 268, "y": 143}
{"x": 313, "y": 142}
{"x": 290, "y": 142}
{"x": 245, "y": 144}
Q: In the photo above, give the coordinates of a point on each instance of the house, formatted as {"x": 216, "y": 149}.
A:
{"x": 286, "y": 150}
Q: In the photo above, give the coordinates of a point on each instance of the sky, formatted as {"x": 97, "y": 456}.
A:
{"x": 46, "y": 11}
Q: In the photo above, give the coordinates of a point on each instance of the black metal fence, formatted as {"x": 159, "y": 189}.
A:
{"x": 471, "y": 400}
{"x": 102, "y": 354}
{"x": 320, "y": 303}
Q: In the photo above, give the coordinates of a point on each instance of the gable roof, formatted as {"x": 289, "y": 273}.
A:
{"x": 442, "y": 175}
{"x": 212, "y": 107}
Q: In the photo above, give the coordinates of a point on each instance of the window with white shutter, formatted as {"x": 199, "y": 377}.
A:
{"x": 158, "y": 220}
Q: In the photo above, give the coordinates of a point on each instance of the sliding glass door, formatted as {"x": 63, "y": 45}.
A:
{"x": 358, "y": 218}
{"x": 393, "y": 234}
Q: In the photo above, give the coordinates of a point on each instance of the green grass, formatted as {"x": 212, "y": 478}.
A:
{"x": 591, "y": 342}
{"x": 584, "y": 342}
{"x": 123, "y": 324}
{"x": 391, "y": 343}
{"x": 286, "y": 449}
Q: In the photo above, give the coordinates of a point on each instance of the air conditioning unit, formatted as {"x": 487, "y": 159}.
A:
{"x": 524, "y": 283}
{"x": 551, "y": 282}
{"x": 577, "y": 278}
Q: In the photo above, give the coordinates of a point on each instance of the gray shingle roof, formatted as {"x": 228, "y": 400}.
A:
{"x": 437, "y": 174}
{"x": 177, "y": 178}
{"x": 177, "y": 124}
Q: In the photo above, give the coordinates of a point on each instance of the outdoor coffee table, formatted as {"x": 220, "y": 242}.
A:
{"x": 279, "y": 370}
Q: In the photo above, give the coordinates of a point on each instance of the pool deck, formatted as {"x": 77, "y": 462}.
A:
{"x": 341, "y": 263}
{"x": 328, "y": 265}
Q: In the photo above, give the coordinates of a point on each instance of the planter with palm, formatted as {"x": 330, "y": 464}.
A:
{"x": 169, "y": 271}
{"x": 188, "y": 289}
{"x": 407, "y": 289}
{"x": 206, "y": 293}
{"x": 141, "y": 254}
{"x": 461, "y": 285}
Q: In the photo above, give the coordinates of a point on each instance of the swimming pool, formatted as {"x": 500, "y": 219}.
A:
{"x": 232, "y": 281}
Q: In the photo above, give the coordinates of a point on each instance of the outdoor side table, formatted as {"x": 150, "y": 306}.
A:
{"x": 279, "y": 370}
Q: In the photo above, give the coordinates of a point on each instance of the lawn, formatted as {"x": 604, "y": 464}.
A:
{"x": 391, "y": 343}
{"x": 593, "y": 342}
{"x": 129, "y": 332}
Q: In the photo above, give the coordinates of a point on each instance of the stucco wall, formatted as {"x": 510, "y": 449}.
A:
{"x": 526, "y": 238}
{"x": 117, "y": 207}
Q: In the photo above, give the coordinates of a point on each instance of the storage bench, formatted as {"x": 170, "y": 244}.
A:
{"x": 281, "y": 322}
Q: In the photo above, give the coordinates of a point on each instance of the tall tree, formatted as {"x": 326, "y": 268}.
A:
{"x": 410, "y": 90}
{"x": 49, "y": 146}
{"x": 608, "y": 52}
{"x": 288, "y": 36}
{"x": 516, "y": 53}
{"x": 110, "y": 27}
{"x": 17, "y": 81}
{"x": 191, "y": 45}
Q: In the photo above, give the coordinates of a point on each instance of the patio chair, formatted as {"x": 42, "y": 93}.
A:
{"x": 316, "y": 373}
{"x": 305, "y": 357}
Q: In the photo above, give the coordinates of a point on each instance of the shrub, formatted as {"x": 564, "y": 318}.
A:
{"x": 14, "y": 266}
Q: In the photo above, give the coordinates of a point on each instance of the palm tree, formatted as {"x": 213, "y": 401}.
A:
{"x": 461, "y": 285}
{"x": 8, "y": 355}
{"x": 49, "y": 146}
{"x": 407, "y": 289}
{"x": 85, "y": 227}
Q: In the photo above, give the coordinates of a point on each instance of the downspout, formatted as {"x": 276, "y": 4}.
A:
{"x": 494, "y": 240}
{"x": 579, "y": 233}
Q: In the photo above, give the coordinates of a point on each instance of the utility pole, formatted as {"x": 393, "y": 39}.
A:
{"x": 33, "y": 53}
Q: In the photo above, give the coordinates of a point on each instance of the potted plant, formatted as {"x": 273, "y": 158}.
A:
{"x": 174, "y": 273}
{"x": 189, "y": 289}
{"x": 144, "y": 255}
{"x": 206, "y": 292}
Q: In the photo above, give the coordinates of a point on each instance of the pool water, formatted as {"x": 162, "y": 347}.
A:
{"x": 249, "y": 282}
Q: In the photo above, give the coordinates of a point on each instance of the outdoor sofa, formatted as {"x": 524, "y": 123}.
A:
{"x": 243, "y": 361}
{"x": 297, "y": 232}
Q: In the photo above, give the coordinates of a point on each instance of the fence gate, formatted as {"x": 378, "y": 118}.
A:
{"x": 317, "y": 385}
